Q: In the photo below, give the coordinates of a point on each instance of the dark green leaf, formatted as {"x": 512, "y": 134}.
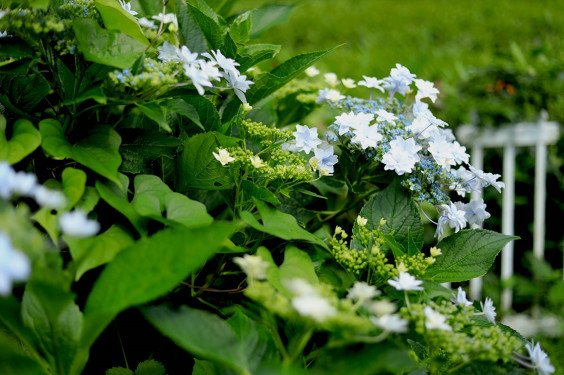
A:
{"x": 74, "y": 184}
{"x": 150, "y": 367}
{"x": 203, "y": 334}
{"x": 25, "y": 139}
{"x": 198, "y": 32}
{"x": 108, "y": 47}
{"x": 255, "y": 53}
{"x": 268, "y": 16}
{"x": 207, "y": 113}
{"x": 279, "y": 224}
{"x": 185, "y": 109}
{"x": 466, "y": 255}
{"x": 250, "y": 191}
{"x": 97, "y": 151}
{"x": 148, "y": 269}
{"x": 240, "y": 28}
{"x": 156, "y": 113}
{"x": 397, "y": 248}
{"x": 396, "y": 206}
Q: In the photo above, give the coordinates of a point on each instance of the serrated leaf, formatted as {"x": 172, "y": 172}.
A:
{"x": 198, "y": 168}
{"x": 108, "y": 47}
{"x": 150, "y": 367}
{"x": 396, "y": 206}
{"x": 119, "y": 371}
{"x": 466, "y": 255}
{"x": 156, "y": 113}
{"x": 255, "y": 53}
{"x": 97, "y": 151}
{"x": 117, "y": 18}
{"x": 250, "y": 191}
{"x": 240, "y": 28}
{"x": 74, "y": 184}
{"x": 397, "y": 249}
{"x": 198, "y": 32}
{"x": 24, "y": 140}
{"x": 185, "y": 109}
{"x": 207, "y": 113}
{"x": 279, "y": 224}
{"x": 201, "y": 333}
{"x": 148, "y": 269}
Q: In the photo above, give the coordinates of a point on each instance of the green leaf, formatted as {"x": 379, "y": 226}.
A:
{"x": 297, "y": 265}
{"x": 50, "y": 312}
{"x": 268, "y": 16}
{"x": 25, "y": 139}
{"x": 397, "y": 249}
{"x": 184, "y": 109}
{"x": 433, "y": 290}
{"x": 203, "y": 334}
{"x": 89, "y": 200}
{"x": 272, "y": 272}
{"x": 396, "y": 206}
{"x": 119, "y": 371}
{"x": 99, "y": 150}
{"x": 240, "y": 28}
{"x": 279, "y": 224}
{"x": 255, "y": 53}
{"x": 207, "y": 113}
{"x": 96, "y": 93}
{"x": 92, "y": 252}
{"x": 156, "y": 113}
{"x": 48, "y": 221}
{"x": 74, "y": 184}
{"x": 22, "y": 94}
{"x": 152, "y": 196}
{"x": 117, "y": 18}
{"x": 150, "y": 367}
{"x": 15, "y": 48}
{"x": 14, "y": 360}
{"x": 148, "y": 269}
{"x": 412, "y": 248}
{"x": 198, "y": 168}
{"x": 466, "y": 255}
{"x": 140, "y": 148}
{"x": 250, "y": 191}
{"x": 108, "y": 47}
{"x": 198, "y": 32}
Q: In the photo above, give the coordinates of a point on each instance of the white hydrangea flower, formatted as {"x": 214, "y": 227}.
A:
{"x": 253, "y": 266}
{"x": 372, "y": 82}
{"x": 77, "y": 224}
{"x": 24, "y": 183}
{"x": 306, "y": 138}
{"x": 325, "y": 160}
{"x": 362, "y": 292}
{"x": 425, "y": 89}
{"x": 348, "y": 83}
{"x": 240, "y": 84}
{"x": 168, "y": 52}
{"x": 168, "y": 18}
{"x": 406, "y": 282}
{"x": 49, "y": 198}
{"x": 185, "y": 56}
{"x": 313, "y": 306}
{"x": 7, "y": 178}
{"x": 475, "y": 211}
{"x": 256, "y": 161}
{"x": 14, "y": 265}
{"x": 311, "y": 71}
{"x": 144, "y": 22}
{"x": 460, "y": 298}
{"x": 198, "y": 78}
{"x": 391, "y": 323}
{"x": 487, "y": 179}
{"x": 223, "y": 156}
{"x": 381, "y": 307}
{"x": 539, "y": 359}
{"x": 127, "y": 8}
{"x": 385, "y": 116}
{"x": 329, "y": 96}
{"x": 488, "y": 309}
{"x": 399, "y": 80}
{"x": 452, "y": 216}
{"x": 448, "y": 154}
{"x": 435, "y": 320}
{"x": 402, "y": 155}
{"x": 349, "y": 121}
{"x": 331, "y": 79}
{"x": 227, "y": 64}
{"x": 299, "y": 287}
{"x": 366, "y": 136}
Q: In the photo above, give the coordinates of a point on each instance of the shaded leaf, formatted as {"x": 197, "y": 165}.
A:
{"x": 24, "y": 140}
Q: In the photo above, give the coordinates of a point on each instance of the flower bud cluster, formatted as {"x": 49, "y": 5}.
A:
{"x": 153, "y": 74}
{"x": 263, "y": 134}
{"x": 32, "y": 23}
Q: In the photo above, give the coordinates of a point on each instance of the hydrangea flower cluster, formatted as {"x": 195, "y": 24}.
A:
{"x": 410, "y": 141}
{"x": 14, "y": 265}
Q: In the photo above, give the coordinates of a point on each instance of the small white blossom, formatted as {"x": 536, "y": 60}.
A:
{"x": 348, "y": 83}
{"x": 24, "y": 183}
{"x": 239, "y": 84}
{"x": 14, "y": 265}
{"x": 168, "y": 52}
{"x": 362, "y": 292}
{"x": 487, "y": 179}
{"x": 77, "y": 224}
{"x": 448, "y": 154}
{"x": 7, "y": 180}
{"x": 227, "y": 64}
{"x": 406, "y": 282}
{"x": 361, "y": 221}
{"x": 402, "y": 155}
{"x": 349, "y": 121}
{"x": 381, "y": 307}
{"x": 325, "y": 160}
{"x": 372, "y": 82}
{"x": 49, "y": 198}
{"x": 256, "y": 161}
{"x": 385, "y": 116}
{"x": 168, "y": 18}
{"x": 425, "y": 89}
{"x": 311, "y": 71}
{"x": 223, "y": 156}
{"x": 488, "y": 309}
{"x": 366, "y": 136}
{"x": 299, "y": 287}
{"x": 539, "y": 359}
{"x": 313, "y": 306}
{"x": 253, "y": 266}
{"x": 306, "y": 138}
{"x": 144, "y": 22}
{"x": 460, "y": 298}
{"x": 331, "y": 79}
{"x": 127, "y": 7}
{"x": 185, "y": 56}
{"x": 452, "y": 216}
{"x": 391, "y": 323}
{"x": 399, "y": 80}
{"x": 435, "y": 320}
{"x": 329, "y": 96}
{"x": 198, "y": 78}
{"x": 475, "y": 211}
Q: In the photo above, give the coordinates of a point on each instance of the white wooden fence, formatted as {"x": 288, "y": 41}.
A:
{"x": 510, "y": 137}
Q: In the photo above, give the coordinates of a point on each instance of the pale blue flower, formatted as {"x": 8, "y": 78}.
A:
{"x": 306, "y": 138}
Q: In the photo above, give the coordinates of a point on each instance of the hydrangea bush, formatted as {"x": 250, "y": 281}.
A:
{"x": 148, "y": 164}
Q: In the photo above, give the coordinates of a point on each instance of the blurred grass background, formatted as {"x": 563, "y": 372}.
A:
{"x": 494, "y": 62}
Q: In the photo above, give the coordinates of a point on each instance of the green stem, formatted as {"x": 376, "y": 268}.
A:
{"x": 297, "y": 346}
